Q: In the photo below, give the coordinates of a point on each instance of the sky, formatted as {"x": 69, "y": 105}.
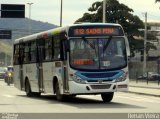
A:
{"x": 49, "y": 10}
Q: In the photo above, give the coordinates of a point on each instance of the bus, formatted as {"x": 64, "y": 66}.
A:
{"x": 80, "y": 59}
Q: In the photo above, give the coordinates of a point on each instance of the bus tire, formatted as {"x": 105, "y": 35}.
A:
{"x": 28, "y": 89}
{"x": 73, "y": 95}
{"x": 59, "y": 96}
{"x": 37, "y": 94}
{"x": 107, "y": 97}
{"x": 8, "y": 81}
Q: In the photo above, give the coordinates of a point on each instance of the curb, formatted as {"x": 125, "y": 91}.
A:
{"x": 143, "y": 94}
{"x": 144, "y": 87}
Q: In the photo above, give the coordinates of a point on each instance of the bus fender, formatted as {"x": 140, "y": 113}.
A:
{"x": 27, "y": 80}
{"x": 55, "y": 79}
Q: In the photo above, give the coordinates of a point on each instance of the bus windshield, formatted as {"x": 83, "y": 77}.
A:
{"x": 98, "y": 53}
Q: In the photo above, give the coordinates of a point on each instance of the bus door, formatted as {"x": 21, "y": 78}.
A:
{"x": 65, "y": 67}
{"x": 65, "y": 76}
{"x": 39, "y": 66}
{"x": 21, "y": 54}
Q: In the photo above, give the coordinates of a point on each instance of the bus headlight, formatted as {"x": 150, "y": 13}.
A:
{"x": 77, "y": 79}
{"x": 122, "y": 77}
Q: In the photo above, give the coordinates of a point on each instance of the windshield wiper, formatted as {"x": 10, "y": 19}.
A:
{"x": 90, "y": 44}
{"x": 107, "y": 44}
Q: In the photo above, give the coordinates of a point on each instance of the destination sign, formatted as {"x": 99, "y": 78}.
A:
{"x": 95, "y": 31}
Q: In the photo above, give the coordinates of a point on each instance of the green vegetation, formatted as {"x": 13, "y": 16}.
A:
{"x": 157, "y": 1}
{"x": 6, "y": 48}
{"x": 5, "y": 52}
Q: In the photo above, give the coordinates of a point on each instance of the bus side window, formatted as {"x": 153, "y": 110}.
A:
{"x": 21, "y": 54}
{"x": 33, "y": 51}
{"x": 26, "y": 53}
{"x": 56, "y": 48}
{"x": 48, "y": 49}
{"x": 16, "y": 54}
{"x": 40, "y": 50}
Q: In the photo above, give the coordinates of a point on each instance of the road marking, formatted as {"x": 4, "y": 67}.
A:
{"x": 9, "y": 96}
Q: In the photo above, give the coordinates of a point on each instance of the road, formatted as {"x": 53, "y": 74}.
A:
{"x": 14, "y": 101}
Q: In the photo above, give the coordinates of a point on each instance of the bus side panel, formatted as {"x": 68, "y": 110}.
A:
{"x": 16, "y": 77}
{"x": 31, "y": 72}
{"x": 48, "y": 74}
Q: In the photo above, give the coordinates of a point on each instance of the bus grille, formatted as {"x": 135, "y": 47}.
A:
{"x": 97, "y": 81}
{"x": 100, "y": 86}
{"x": 100, "y": 75}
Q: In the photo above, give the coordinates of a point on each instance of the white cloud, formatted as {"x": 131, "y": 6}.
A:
{"x": 141, "y": 6}
{"x": 49, "y": 10}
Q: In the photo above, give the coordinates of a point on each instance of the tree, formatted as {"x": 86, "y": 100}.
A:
{"x": 117, "y": 13}
{"x": 157, "y": 1}
{"x": 2, "y": 55}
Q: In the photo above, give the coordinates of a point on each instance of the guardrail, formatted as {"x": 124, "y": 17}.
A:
{"x": 147, "y": 79}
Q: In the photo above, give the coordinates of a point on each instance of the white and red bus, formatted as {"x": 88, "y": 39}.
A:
{"x": 80, "y": 59}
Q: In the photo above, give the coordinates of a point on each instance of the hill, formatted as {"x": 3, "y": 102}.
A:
{"x": 23, "y": 27}
{"x": 20, "y": 28}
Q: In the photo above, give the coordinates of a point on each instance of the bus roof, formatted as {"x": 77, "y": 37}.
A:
{"x": 59, "y": 30}
{"x": 35, "y": 36}
{"x": 90, "y": 24}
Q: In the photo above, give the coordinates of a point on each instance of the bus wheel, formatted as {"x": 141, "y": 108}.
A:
{"x": 28, "y": 90}
{"x": 8, "y": 81}
{"x": 59, "y": 96}
{"x": 37, "y": 94}
{"x": 73, "y": 95}
{"x": 107, "y": 97}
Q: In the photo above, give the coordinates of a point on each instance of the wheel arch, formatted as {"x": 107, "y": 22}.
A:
{"x": 55, "y": 79}
{"x": 26, "y": 81}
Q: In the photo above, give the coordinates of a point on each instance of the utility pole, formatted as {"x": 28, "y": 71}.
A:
{"x": 104, "y": 11}
{"x": 145, "y": 44}
{"x": 29, "y": 20}
{"x": 61, "y": 13}
{"x": 29, "y": 9}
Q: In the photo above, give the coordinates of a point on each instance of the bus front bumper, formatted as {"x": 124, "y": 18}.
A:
{"x": 77, "y": 88}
